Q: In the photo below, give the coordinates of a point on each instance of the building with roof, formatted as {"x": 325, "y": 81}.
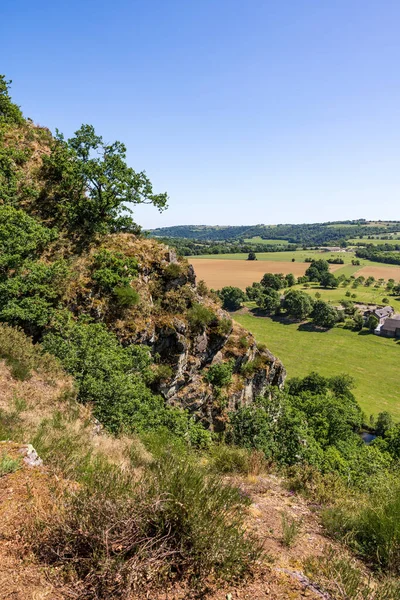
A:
{"x": 381, "y": 313}
{"x": 391, "y": 327}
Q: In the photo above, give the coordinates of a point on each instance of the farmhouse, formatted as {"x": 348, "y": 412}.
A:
{"x": 391, "y": 327}
{"x": 380, "y": 312}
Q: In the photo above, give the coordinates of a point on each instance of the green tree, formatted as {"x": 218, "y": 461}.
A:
{"x": 290, "y": 280}
{"x": 9, "y": 112}
{"x": 269, "y": 300}
{"x": 252, "y": 256}
{"x": 317, "y": 269}
{"x": 372, "y": 322}
{"x": 328, "y": 280}
{"x": 272, "y": 280}
{"x": 384, "y": 422}
{"x": 324, "y": 314}
{"x": 298, "y": 304}
{"x": 232, "y": 297}
{"x": 254, "y": 291}
{"x": 90, "y": 186}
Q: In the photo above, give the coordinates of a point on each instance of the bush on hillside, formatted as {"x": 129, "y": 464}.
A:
{"x": 115, "y": 538}
{"x": 220, "y": 374}
{"x": 200, "y": 316}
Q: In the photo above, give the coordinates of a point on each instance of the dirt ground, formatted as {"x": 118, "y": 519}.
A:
{"x": 384, "y": 272}
{"x": 241, "y": 273}
{"x": 277, "y": 576}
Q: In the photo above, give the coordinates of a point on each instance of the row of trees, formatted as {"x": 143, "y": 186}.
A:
{"x": 387, "y": 254}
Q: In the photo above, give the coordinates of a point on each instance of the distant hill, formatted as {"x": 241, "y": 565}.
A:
{"x": 304, "y": 233}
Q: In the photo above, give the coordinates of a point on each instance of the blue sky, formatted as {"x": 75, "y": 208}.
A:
{"x": 245, "y": 112}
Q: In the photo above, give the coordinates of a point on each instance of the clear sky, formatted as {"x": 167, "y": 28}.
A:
{"x": 244, "y": 111}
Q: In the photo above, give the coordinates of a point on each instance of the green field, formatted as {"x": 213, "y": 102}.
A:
{"x": 285, "y": 255}
{"x": 372, "y": 361}
{"x": 258, "y": 240}
{"x": 375, "y": 242}
{"x": 369, "y": 295}
{"x": 300, "y": 256}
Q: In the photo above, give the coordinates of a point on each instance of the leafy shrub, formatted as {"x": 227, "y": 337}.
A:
{"x": 220, "y": 374}
{"x": 162, "y": 372}
{"x": 126, "y": 296}
{"x": 172, "y": 271}
{"x": 224, "y": 326}
{"x": 113, "y": 269}
{"x": 202, "y": 288}
{"x": 21, "y": 238}
{"x": 9, "y": 112}
{"x": 200, "y": 316}
{"x": 232, "y": 297}
{"x": 177, "y": 300}
{"x": 30, "y": 297}
{"x": 243, "y": 342}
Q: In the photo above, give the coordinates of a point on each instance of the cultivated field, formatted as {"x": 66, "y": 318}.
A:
{"x": 219, "y": 273}
{"x": 372, "y": 361}
{"x": 384, "y": 271}
{"x": 204, "y": 264}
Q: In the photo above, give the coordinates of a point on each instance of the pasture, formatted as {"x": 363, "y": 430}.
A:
{"x": 372, "y": 361}
{"x": 258, "y": 240}
{"x": 367, "y": 295}
{"x": 284, "y": 256}
{"x": 377, "y": 240}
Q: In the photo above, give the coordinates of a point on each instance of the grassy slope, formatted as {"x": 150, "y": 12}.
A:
{"x": 258, "y": 240}
{"x": 371, "y": 360}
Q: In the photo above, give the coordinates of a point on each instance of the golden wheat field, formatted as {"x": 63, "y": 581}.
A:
{"x": 241, "y": 273}
{"x": 384, "y": 272}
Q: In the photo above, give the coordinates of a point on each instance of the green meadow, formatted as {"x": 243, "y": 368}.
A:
{"x": 300, "y": 256}
{"x": 373, "y": 361}
{"x": 369, "y": 295}
{"x": 376, "y": 241}
{"x": 285, "y": 255}
{"x": 258, "y": 240}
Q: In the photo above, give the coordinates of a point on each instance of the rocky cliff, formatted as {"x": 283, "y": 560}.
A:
{"x": 185, "y": 327}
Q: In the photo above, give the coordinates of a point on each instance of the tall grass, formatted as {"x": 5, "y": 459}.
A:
{"x": 340, "y": 576}
{"x": 290, "y": 530}
{"x": 371, "y": 524}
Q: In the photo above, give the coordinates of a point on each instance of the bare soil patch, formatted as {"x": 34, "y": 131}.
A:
{"x": 383, "y": 272}
{"x": 219, "y": 273}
